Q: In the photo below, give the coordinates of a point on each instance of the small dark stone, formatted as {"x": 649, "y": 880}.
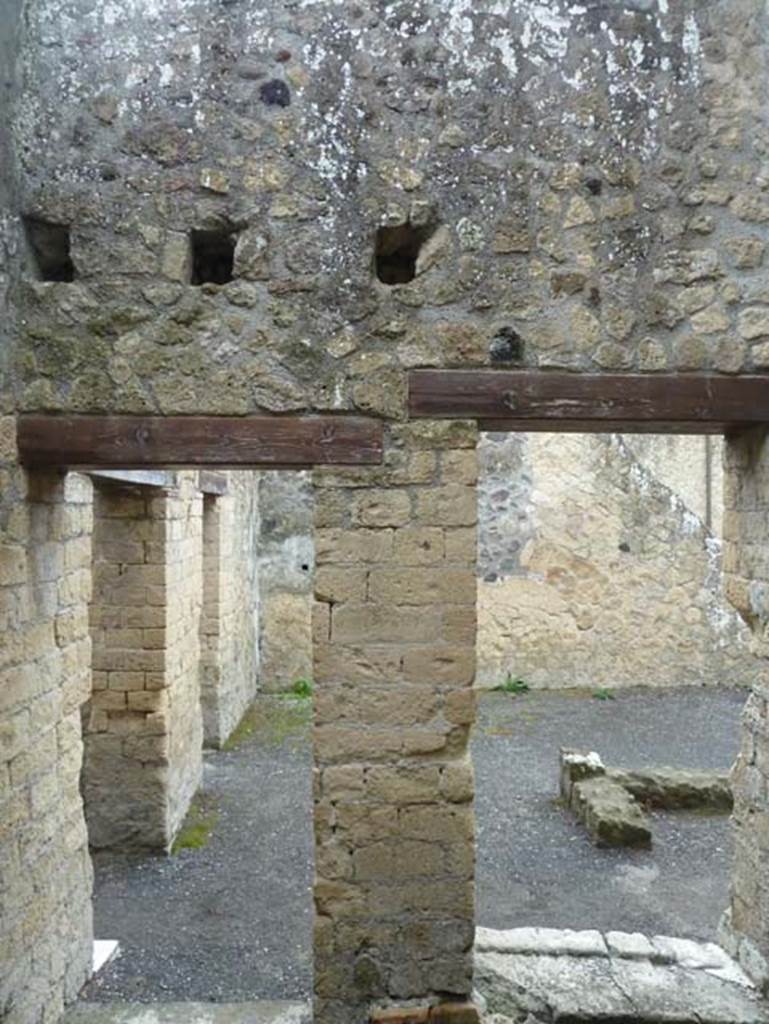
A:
{"x": 366, "y": 974}
{"x": 275, "y": 93}
{"x": 283, "y": 56}
{"x": 594, "y": 297}
{"x": 567, "y": 282}
{"x": 108, "y": 172}
{"x": 506, "y": 346}
{"x": 624, "y": 546}
{"x": 250, "y": 71}
{"x": 594, "y": 186}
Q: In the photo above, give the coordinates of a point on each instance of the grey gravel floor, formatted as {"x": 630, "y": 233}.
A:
{"x": 535, "y": 863}
{"x": 232, "y": 920}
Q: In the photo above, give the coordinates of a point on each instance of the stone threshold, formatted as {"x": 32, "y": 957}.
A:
{"x": 556, "y": 975}
{"x": 257, "y": 1012}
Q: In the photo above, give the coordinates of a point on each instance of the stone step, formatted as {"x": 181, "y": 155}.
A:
{"x": 554, "y": 975}
{"x": 258, "y": 1012}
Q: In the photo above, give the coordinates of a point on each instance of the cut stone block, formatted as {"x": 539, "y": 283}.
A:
{"x": 676, "y": 788}
{"x": 577, "y": 765}
{"x": 629, "y": 945}
{"x": 610, "y": 813}
{"x": 688, "y": 953}
{"x": 541, "y": 942}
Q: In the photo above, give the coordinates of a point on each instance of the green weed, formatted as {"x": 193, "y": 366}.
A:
{"x": 511, "y": 685}
{"x": 198, "y": 825}
{"x": 302, "y": 688}
{"x": 602, "y": 694}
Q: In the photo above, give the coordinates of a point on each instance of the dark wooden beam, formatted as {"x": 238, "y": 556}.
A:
{"x": 211, "y": 482}
{"x": 139, "y": 442}
{"x": 591, "y": 403}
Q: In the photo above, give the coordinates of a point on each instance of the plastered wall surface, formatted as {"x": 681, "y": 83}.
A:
{"x": 691, "y": 466}
{"x": 586, "y": 180}
{"x": 589, "y": 187}
{"x": 594, "y": 573}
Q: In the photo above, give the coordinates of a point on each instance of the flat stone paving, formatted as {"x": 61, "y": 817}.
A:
{"x": 231, "y": 922}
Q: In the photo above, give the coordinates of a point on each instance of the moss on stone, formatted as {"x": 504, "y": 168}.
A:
{"x": 198, "y": 825}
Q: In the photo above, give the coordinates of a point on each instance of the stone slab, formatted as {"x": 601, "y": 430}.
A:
{"x": 541, "y": 941}
{"x": 677, "y": 788}
{"x": 629, "y": 945}
{"x": 589, "y": 989}
{"x": 610, "y": 813}
{"x": 259, "y": 1012}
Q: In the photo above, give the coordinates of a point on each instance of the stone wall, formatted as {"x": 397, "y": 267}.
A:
{"x": 286, "y": 560}
{"x": 594, "y": 573}
{"x": 143, "y": 725}
{"x": 183, "y": 594}
{"x": 577, "y": 186}
{"x": 394, "y": 656}
{"x": 230, "y": 618}
{"x": 45, "y": 871}
{"x": 746, "y": 568}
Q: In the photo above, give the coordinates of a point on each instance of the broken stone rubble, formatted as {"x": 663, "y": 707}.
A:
{"x": 609, "y": 800}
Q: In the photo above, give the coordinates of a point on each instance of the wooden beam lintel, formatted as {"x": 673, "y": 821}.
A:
{"x": 624, "y": 403}
{"x": 170, "y": 442}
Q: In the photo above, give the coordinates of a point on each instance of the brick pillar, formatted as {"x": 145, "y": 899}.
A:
{"x": 143, "y": 732}
{"x": 746, "y": 572}
{"x": 394, "y": 663}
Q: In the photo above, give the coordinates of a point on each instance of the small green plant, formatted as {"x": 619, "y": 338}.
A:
{"x": 511, "y": 685}
{"x": 302, "y": 688}
{"x": 603, "y": 694}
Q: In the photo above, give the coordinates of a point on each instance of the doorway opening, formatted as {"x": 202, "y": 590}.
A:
{"x": 187, "y": 761}
{"x": 604, "y": 629}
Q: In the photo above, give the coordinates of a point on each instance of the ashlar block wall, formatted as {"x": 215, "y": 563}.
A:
{"x": 45, "y": 870}
{"x": 229, "y": 665}
{"x": 394, "y": 656}
{"x": 746, "y": 568}
{"x": 143, "y": 728}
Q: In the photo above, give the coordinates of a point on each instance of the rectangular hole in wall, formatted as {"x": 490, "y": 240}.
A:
{"x": 49, "y": 244}
{"x": 213, "y": 256}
